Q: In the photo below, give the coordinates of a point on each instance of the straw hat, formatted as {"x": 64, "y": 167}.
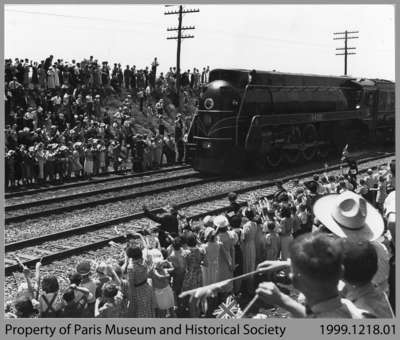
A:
{"x": 220, "y": 222}
{"x": 349, "y": 215}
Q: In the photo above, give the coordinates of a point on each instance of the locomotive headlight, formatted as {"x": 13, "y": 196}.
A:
{"x": 207, "y": 119}
{"x": 208, "y": 103}
{"x": 207, "y": 145}
{"x": 357, "y": 107}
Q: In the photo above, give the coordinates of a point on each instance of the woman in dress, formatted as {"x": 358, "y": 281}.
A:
{"x": 142, "y": 301}
{"x": 88, "y": 164}
{"x": 212, "y": 250}
{"x": 285, "y": 229}
{"x": 76, "y": 166}
{"x": 51, "y": 80}
{"x": 102, "y": 157}
{"x": 194, "y": 258}
{"x": 227, "y": 262}
{"x": 249, "y": 247}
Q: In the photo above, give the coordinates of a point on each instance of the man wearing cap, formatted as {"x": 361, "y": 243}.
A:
{"x": 169, "y": 224}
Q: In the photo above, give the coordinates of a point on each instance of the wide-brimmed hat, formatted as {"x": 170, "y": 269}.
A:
{"x": 349, "y": 215}
{"x": 221, "y": 222}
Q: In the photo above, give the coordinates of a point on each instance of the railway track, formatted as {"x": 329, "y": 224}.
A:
{"x": 51, "y": 206}
{"x": 67, "y": 243}
{"x": 96, "y": 180}
{"x": 92, "y": 189}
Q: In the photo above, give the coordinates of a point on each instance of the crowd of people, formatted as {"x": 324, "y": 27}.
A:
{"x": 59, "y": 124}
{"x": 332, "y": 238}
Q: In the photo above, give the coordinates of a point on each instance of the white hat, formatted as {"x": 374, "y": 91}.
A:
{"x": 207, "y": 220}
{"x": 221, "y": 222}
{"x": 349, "y": 215}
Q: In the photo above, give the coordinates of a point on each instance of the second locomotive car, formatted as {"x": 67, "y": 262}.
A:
{"x": 262, "y": 119}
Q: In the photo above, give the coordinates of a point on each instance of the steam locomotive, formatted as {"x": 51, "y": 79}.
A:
{"x": 262, "y": 119}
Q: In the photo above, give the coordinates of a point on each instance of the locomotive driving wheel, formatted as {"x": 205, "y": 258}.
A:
{"x": 309, "y": 137}
{"x": 292, "y": 153}
{"x": 274, "y": 157}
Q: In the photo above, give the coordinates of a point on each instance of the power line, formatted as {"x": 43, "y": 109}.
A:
{"x": 77, "y": 17}
{"x": 345, "y": 36}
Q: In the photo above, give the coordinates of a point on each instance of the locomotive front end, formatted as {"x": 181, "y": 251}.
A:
{"x": 213, "y": 131}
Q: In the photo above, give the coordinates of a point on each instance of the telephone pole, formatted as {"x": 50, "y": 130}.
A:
{"x": 345, "y": 36}
{"x": 179, "y": 37}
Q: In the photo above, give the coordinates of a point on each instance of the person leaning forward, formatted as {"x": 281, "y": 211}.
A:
{"x": 169, "y": 224}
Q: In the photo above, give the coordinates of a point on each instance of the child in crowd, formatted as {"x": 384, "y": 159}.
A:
{"x": 164, "y": 295}
{"x": 109, "y": 306}
{"x": 360, "y": 266}
{"x": 272, "y": 242}
{"x": 50, "y": 307}
{"x": 84, "y": 269}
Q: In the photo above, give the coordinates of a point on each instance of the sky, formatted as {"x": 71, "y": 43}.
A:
{"x": 286, "y": 38}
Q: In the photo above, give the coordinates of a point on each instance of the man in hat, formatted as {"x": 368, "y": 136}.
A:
{"x": 169, "y": 224}
{"x": 350, "y": 216}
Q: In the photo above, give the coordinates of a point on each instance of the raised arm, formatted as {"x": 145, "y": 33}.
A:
{"x": 151, "y": 215}
{"x": 270, "y": 294}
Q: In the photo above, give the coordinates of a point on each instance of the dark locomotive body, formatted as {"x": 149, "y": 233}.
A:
{"x": 263, "y": 119}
